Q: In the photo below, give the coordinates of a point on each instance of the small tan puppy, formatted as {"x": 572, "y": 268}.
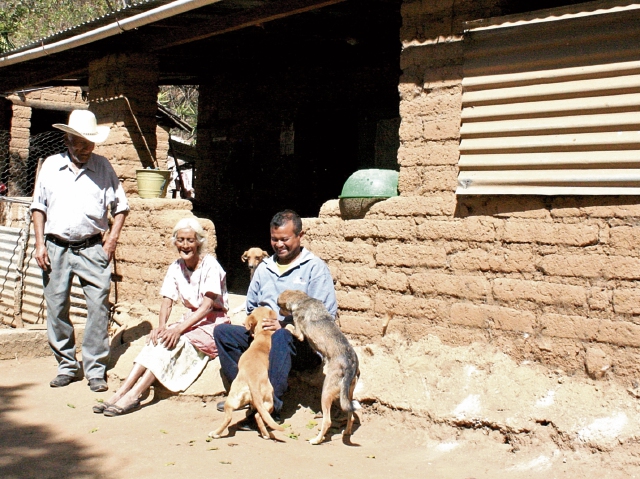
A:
{"x": 253, "y": 257}
{"x": 251, "y": 385}
{"x": 313, "y": 321}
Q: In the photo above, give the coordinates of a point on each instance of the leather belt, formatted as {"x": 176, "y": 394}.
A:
{"x": 75, "y": 245}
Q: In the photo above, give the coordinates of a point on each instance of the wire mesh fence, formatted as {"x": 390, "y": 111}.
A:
{"x": 18, "y": 167}
{"x": 21, "y": 299}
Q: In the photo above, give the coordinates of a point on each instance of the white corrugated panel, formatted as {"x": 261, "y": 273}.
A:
{"x": 33, "y": 306}
{"x": 10, "y": 252}
{"x": 551, "y": 103}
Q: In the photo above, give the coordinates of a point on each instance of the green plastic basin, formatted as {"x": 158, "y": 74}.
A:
{"x": 371, "y": 183}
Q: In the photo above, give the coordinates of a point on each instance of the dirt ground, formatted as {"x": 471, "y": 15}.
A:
{"x": 53, "y": 433}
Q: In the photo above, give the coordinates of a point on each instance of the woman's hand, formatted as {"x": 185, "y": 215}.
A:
{"x": 171, "y": 336}
{"x": 154, "y": 335}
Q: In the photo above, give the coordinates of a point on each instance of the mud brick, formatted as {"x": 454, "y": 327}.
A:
{"x": 501, "y": 260}
{"x": 591, "y": 266}
{"x": 468, "y": 287}
{"x": 385, "y": 229}
{"x": 626, "y": 301}
{"x": 358, "y": 276}
{"x": 550, "y": 233}
{"x": 393, "y": 281}
{"x": 512, "y": 290}
{"x": 434, "y": 205}
{"x": 492, "y": 317}
{"x": 410, "y": 306}
{"x": 354, "y": 301}
{"x": 411, "y": 255}
{"x": 467, "y": 229}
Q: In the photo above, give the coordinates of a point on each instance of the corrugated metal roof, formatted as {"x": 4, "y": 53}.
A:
{"x": 89, "y": 25}
{"x": 551, "y": 104}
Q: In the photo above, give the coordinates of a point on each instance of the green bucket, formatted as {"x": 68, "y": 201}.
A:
{"x": 152, "y": 183}
{"x": 371, "y": 183}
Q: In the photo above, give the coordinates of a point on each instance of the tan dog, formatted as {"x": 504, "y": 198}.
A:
{"x": 313, "y": 321}
{"x": 251, "y": 385}
{"x": 253, "y": 257}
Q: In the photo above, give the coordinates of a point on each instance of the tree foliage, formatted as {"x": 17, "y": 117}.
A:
{"x": 182, "y": 100}
{"x": 26, "y": 21}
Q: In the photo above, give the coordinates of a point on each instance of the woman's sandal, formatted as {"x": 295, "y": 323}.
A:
{"x": 114, "y": 410}
{"x": 100, "y": 407}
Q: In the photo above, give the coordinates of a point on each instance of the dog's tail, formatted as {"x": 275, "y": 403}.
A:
{"x": 257, "y": 404}
{"x": 352, "y": 372}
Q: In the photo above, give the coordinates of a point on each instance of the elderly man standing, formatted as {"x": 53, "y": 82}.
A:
{"x": 73, "y": 194}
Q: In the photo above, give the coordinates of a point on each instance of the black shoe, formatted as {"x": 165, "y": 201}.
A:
{"x": 220, "y": 406}
{"x": 248, "y": 424}
{"x": 62, "y": 380}
{"x": 98, "y": 385}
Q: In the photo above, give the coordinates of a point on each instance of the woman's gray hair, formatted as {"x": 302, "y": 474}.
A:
{"x": 194, "y": 225}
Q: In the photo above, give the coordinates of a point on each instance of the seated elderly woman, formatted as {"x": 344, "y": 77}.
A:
{"x": 175, "y": 355}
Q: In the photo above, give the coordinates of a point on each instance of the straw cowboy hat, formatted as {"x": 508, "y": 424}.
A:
{"x": 83, "y": 123}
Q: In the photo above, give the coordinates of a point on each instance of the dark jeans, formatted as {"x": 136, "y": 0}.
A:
{"x": 286, "y": 353}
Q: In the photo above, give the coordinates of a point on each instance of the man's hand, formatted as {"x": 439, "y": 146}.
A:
{"x": 42, "y": 257}
{"x": 109, "y": 247}
{"x": 270, "y": 324}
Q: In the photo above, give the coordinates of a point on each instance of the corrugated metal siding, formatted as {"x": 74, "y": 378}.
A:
{"x": 33, "y": 306}
{"x": 31, "y": 303}
{"x": 10, "y": 252}
{"x": 551, "y": 105}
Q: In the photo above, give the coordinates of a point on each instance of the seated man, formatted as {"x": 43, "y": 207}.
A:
{"x": 291, "y": 267}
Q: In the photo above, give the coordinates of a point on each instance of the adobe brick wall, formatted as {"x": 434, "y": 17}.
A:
{"x": 131, "y": 145}
{"x": 62, "y": 98}
{"x": 543, "y": 278}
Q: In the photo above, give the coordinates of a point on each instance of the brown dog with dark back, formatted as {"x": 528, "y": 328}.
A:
{"x": 313, "y": 322}
{"x": 251, "y": 385}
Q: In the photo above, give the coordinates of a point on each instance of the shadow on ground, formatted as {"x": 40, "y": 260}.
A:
{"x": 305, "y": 391}
{"x": 31, "y": 451}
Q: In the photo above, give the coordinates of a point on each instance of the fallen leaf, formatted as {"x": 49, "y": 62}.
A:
{"x": 95, "y": 429}
{"x": 209, "y": 439}
{"x": 232, "y": 444}
{"x": 213, "y": 449}
{"x": 311, "y": 424}
{"x": 170, "y": 464}
{"x": 100, "y": 400}
{"x": 371, "y": 457}
{"x": 293, "y": 435}
{"x": 163, "y": 431}
{"x": 191, "y": 443}
{"x": 71, "y": 405}
{"x": 225, "y": 462}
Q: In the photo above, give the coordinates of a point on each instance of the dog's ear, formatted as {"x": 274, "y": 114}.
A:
{"x": 251, "y": 322}
{"x": 245, "y": 256}
{"x": 265, "y": 254}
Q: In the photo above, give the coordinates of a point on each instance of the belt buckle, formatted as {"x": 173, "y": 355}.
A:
{"x": 75, "y": 247}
